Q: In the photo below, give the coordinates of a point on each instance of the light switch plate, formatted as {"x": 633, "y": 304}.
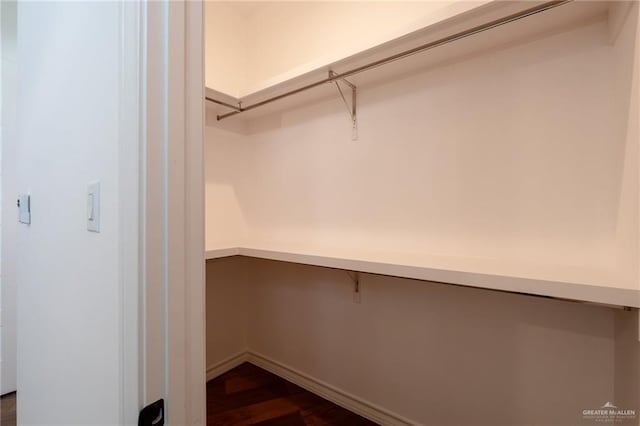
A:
{"x": 93, "y": 207}
{"x": 24, "y": 209}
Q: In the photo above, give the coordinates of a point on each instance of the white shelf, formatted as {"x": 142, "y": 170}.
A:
{"x": 600, "y": 294}
{"x": 222, "y": 252}
{"x": 451, "y": 20}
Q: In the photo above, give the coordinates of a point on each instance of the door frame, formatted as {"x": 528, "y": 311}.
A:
{"x": 172, "y": 358}
{"x": 130, "y": 150}
{"x": 160, "y": 206}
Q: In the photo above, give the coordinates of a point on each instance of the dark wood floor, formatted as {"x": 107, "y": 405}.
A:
{"x": 8, "y": 410}
{"x": 248, "y": 395}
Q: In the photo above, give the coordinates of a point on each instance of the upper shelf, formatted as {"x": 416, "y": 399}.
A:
{"x": 552, "y": 16}
{"x": 441, "y": 271}
{"x": 249, "y": 46}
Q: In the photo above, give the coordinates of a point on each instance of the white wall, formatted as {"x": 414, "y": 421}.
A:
{"x": 1, "y": 104}
{"x": 627, "y": 349}
{"x": 502, "y": 158}
{"x": 226, "y": 153}
{"x": 225, "y": 47}
{"x": 67, "y": 277}
{"x": 227, "y": 309}
{"x": 432, "y": 353}
{"x": 251, "y": 45}
{"x": 626, "y": 45}
{"x": 627, "y": 359}
{"x": 8, "y": 343}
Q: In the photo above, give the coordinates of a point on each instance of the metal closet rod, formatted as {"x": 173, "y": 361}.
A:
{"x": 419, "y": 49}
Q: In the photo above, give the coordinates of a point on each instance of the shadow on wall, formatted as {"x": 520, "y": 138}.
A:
{"x": 434, "y": 353}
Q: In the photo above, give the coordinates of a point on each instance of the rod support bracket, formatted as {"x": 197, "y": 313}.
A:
{"x": 355, "y": 277}
{"x": 351, "y": 109}
{"x": 236, "y": 109}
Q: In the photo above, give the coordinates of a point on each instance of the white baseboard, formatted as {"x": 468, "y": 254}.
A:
{"x": 344, "y": 399}
{"x": 223, "y": 366}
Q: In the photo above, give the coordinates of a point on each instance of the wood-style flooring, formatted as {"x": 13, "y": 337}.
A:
{"x": 249, "y": 395}
{"x": 8, "y": 410}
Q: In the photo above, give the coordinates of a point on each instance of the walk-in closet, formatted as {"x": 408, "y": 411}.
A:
{"x": 426, "y": 213}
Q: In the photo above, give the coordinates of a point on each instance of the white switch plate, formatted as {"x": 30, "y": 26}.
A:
{"x": 24, "y": 209}
{"x": 93, "y": 207}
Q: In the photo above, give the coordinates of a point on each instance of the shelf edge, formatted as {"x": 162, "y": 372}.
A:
{"x": 576, "y": 292}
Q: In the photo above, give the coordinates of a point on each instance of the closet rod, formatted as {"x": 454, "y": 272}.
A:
{"x": 228, "y": 105}
{"x": 428, "y": 46}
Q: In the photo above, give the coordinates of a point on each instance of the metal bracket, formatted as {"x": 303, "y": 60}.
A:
{"x": 236, "y": 109}
{"x": 355, "y": 277}
{"x": 351, "y": 109}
